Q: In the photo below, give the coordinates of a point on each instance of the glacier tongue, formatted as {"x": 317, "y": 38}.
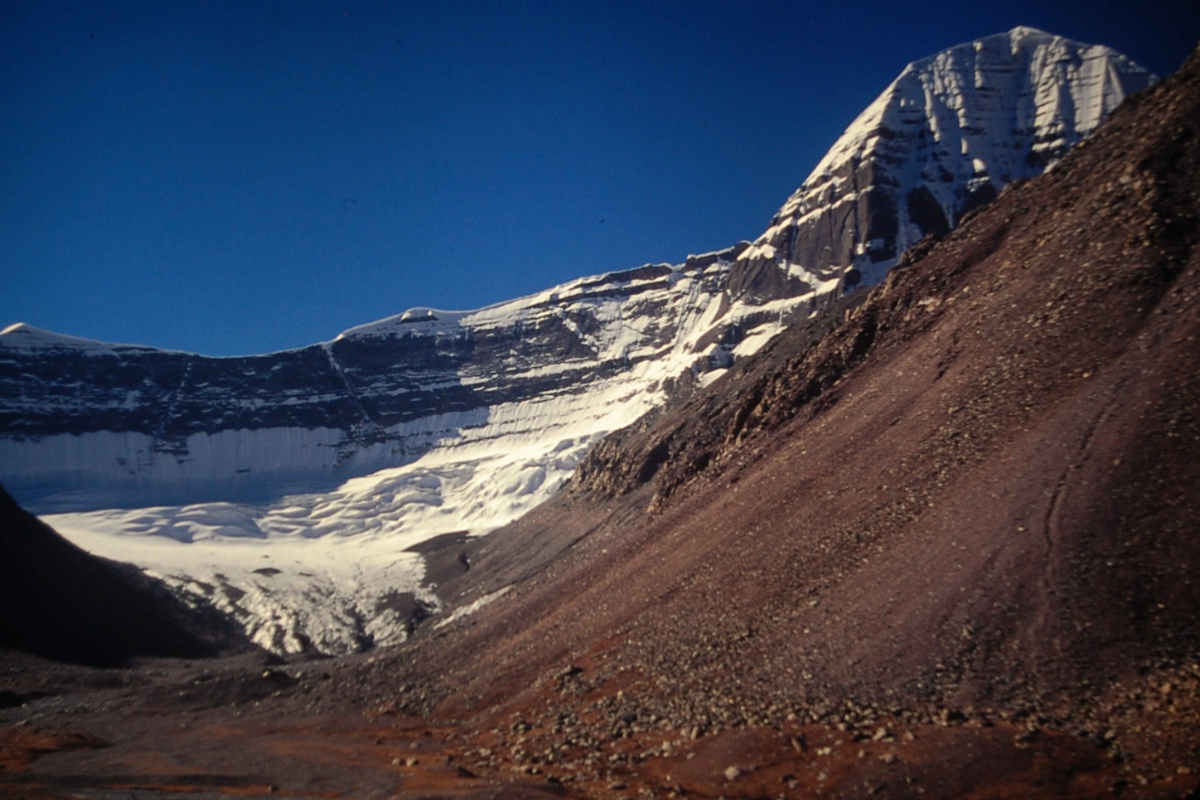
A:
{"x": 287, "y": 489}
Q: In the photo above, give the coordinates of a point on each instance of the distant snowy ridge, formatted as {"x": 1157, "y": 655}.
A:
{"x": 285, "y": 489}
{"x": 89, "y": 425}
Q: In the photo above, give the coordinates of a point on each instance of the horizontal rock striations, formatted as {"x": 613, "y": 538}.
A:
{"x": 89, "y": 425}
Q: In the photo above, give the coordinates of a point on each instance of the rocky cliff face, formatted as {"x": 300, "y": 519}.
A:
{"x": 942, "y": 140}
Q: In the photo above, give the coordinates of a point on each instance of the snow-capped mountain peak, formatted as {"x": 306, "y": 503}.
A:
{"x": 944, "y": 138}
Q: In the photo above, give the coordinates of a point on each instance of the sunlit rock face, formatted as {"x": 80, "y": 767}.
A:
{"x": 941, "y": 141}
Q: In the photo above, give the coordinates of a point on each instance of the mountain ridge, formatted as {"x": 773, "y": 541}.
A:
{"x": 344, "y": 406}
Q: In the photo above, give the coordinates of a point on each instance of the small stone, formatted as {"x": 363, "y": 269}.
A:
{"x": 411, "y": 762}
{"x": 732, "y": 773}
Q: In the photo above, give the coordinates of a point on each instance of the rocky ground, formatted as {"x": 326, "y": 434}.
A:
{"x": 240, "y": 726}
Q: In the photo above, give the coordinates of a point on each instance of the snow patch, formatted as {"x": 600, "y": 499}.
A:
{"x": 471, "y": 608}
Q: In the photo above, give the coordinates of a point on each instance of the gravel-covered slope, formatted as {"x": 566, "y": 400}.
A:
{"x": 973, "y": 499}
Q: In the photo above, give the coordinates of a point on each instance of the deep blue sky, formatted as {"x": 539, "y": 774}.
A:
{"x": 239, "y": 177}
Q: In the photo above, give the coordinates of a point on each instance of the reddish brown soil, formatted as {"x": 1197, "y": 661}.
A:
{"x": 225, "y": 727}
{"x": 166, "y": 729}
{"x": 973, "y": 497}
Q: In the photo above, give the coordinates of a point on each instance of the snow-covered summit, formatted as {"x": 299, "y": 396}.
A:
{"x": 944, "y": 138}
{"x": 26, "y": 338}
{"x": 414, "y": 320}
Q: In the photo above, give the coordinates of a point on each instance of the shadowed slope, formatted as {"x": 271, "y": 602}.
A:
{"x": 59, "y": 602}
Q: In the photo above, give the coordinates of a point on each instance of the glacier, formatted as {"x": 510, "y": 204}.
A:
{"x": 631, "y": 339}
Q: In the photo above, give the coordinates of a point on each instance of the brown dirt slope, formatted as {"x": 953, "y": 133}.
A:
{"x": 976, "y": 492}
